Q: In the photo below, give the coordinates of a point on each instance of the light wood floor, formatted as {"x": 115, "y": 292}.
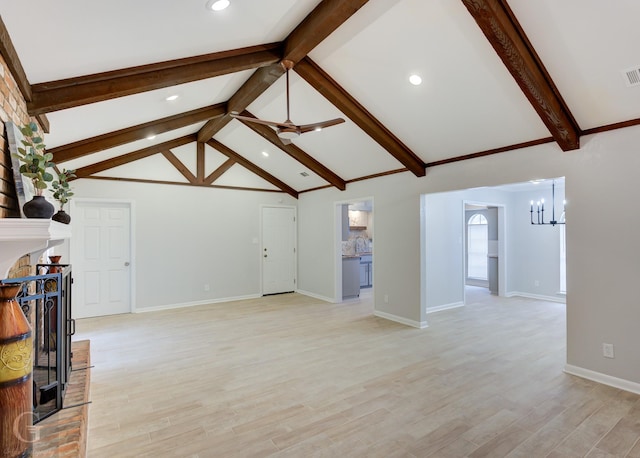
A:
{"x": 291, "y": 376}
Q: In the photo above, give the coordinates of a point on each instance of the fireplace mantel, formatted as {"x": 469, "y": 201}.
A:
{"x": 19, "y": 237}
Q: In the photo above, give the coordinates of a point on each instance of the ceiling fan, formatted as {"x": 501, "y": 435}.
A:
{"x": 287, "y": 130}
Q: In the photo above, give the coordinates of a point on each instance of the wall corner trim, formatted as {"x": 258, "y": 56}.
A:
{"x": 401, "y": 320}
{"x": 316, "y": 296}
{"x": 605, "y": 379}
{"x": 561, "y": 299}
{"x": 440, "y": 308}
{"x": 194, "y": 304}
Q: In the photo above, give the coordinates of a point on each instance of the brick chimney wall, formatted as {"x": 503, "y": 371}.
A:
{"x": 13, "y": 107}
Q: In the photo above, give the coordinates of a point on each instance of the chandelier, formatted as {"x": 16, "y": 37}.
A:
{"x": 540, "y": 209}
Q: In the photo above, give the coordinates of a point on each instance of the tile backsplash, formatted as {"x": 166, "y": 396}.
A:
{"x": 356, "y": 245}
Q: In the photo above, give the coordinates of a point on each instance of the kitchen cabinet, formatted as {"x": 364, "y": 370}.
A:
{"x": 366, "y": 271}
{"x": 350, "y": 276}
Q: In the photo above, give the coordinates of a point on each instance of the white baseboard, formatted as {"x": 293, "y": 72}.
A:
{"x": 401, "y": 320}
{"x": 195, "y": 303}
{"x": 562, "y": 300}
{"x": 440, "y": 308}
{"x": 316, "y": 296}
{"x": 605, "y": 379}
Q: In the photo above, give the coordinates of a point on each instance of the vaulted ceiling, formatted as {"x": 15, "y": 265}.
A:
{"x": 496, "y": 76}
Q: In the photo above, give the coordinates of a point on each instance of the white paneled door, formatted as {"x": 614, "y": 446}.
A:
{"x": 278, "y": 250}
{"x": 101, "y": 257}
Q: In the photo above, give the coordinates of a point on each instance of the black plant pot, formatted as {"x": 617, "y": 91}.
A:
{"x": 62, "y": 217}
{"x": 38, "y": 207}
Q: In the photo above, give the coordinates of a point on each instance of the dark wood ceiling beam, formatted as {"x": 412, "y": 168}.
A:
{"x": 257, "y": 83}
{"x": 318, "y": 25}
{"x": 298, "y": 154}
{"x": 17, "y": 71}
{"x": 137, "y": 180}
{"x": 252, "y": 167}
{"x": 342, "y": 100}
{"x": 13, "y": 62}
{"x": 87, "y": 171}
{"x": 177, "y": 163}
{"x": 73, "y": 92}
{"x": 200, "y": 162}
{"x": 500, "y": 26}
{"x": 217, "y": 173}
{"x": 119, "y": 137}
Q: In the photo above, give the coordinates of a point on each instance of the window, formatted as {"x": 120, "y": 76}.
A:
{"x": 477, "y": 247}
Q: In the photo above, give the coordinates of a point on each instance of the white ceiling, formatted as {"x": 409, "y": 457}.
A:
{"x": 468, "y": 102}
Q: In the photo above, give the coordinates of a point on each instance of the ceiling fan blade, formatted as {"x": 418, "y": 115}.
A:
{"x": 319, "y": 125}
{"x": 259, "y": 121}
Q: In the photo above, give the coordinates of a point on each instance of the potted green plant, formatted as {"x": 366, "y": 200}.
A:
{"x": 35, "y": 162}
{"x": 62, "y": 193}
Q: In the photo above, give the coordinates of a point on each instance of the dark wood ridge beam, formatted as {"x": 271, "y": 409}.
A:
{"x": 500, "y": 26}
{"x": 87, "y": 171}
{"x": 318, "y": 25}
{"x": 298, "y": 154}
{"x": 342, "y": 100}
{"x": 257, "y": 83}
{"x": 73, "y": 92}
{"x": 17, "y": 71}
{"x": 177, "y": 163}
{"x": 252, "y": 167}
{"x": 217, "y": 173}
{"x": 119, "y": 137}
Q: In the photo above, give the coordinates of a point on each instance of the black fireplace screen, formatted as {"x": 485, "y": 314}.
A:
{"x": 46, "y": 302}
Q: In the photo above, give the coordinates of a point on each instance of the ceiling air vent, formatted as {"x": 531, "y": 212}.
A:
{"x": 632, "y": 76}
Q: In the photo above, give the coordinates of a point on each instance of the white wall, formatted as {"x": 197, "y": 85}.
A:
{"x": 186, "y": 237}
{"x": 534, "y": 249}
{"x": 443, "y": 245}
{"x": 602, "y": 238}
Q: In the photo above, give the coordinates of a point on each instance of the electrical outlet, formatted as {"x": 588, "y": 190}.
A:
{"x": 386, "y": 298}
{"x": 206, "y": 287}
{"x": 607, "y": 350}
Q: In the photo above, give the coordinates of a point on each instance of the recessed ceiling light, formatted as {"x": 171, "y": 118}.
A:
{"x": 536, "y": 181}
{"x": 265, "y": 154}
{"x": 150, "y": 137}
{"x": 415, "y": 80}
{"x": 318, "y": 129}
{"x": 217, "y": 5}
{"x": 171, "y": 98}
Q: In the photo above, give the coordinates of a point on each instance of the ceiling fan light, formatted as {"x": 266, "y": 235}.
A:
{"x": 288, "y": 134}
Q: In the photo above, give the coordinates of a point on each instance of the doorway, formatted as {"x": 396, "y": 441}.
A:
{"x": 481, "y": 247}
{"x": 484, "y": 247}
{"x": 278, "y": 251}
{"x": 101, "y": 255}
{"x": 354, "y": 249}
